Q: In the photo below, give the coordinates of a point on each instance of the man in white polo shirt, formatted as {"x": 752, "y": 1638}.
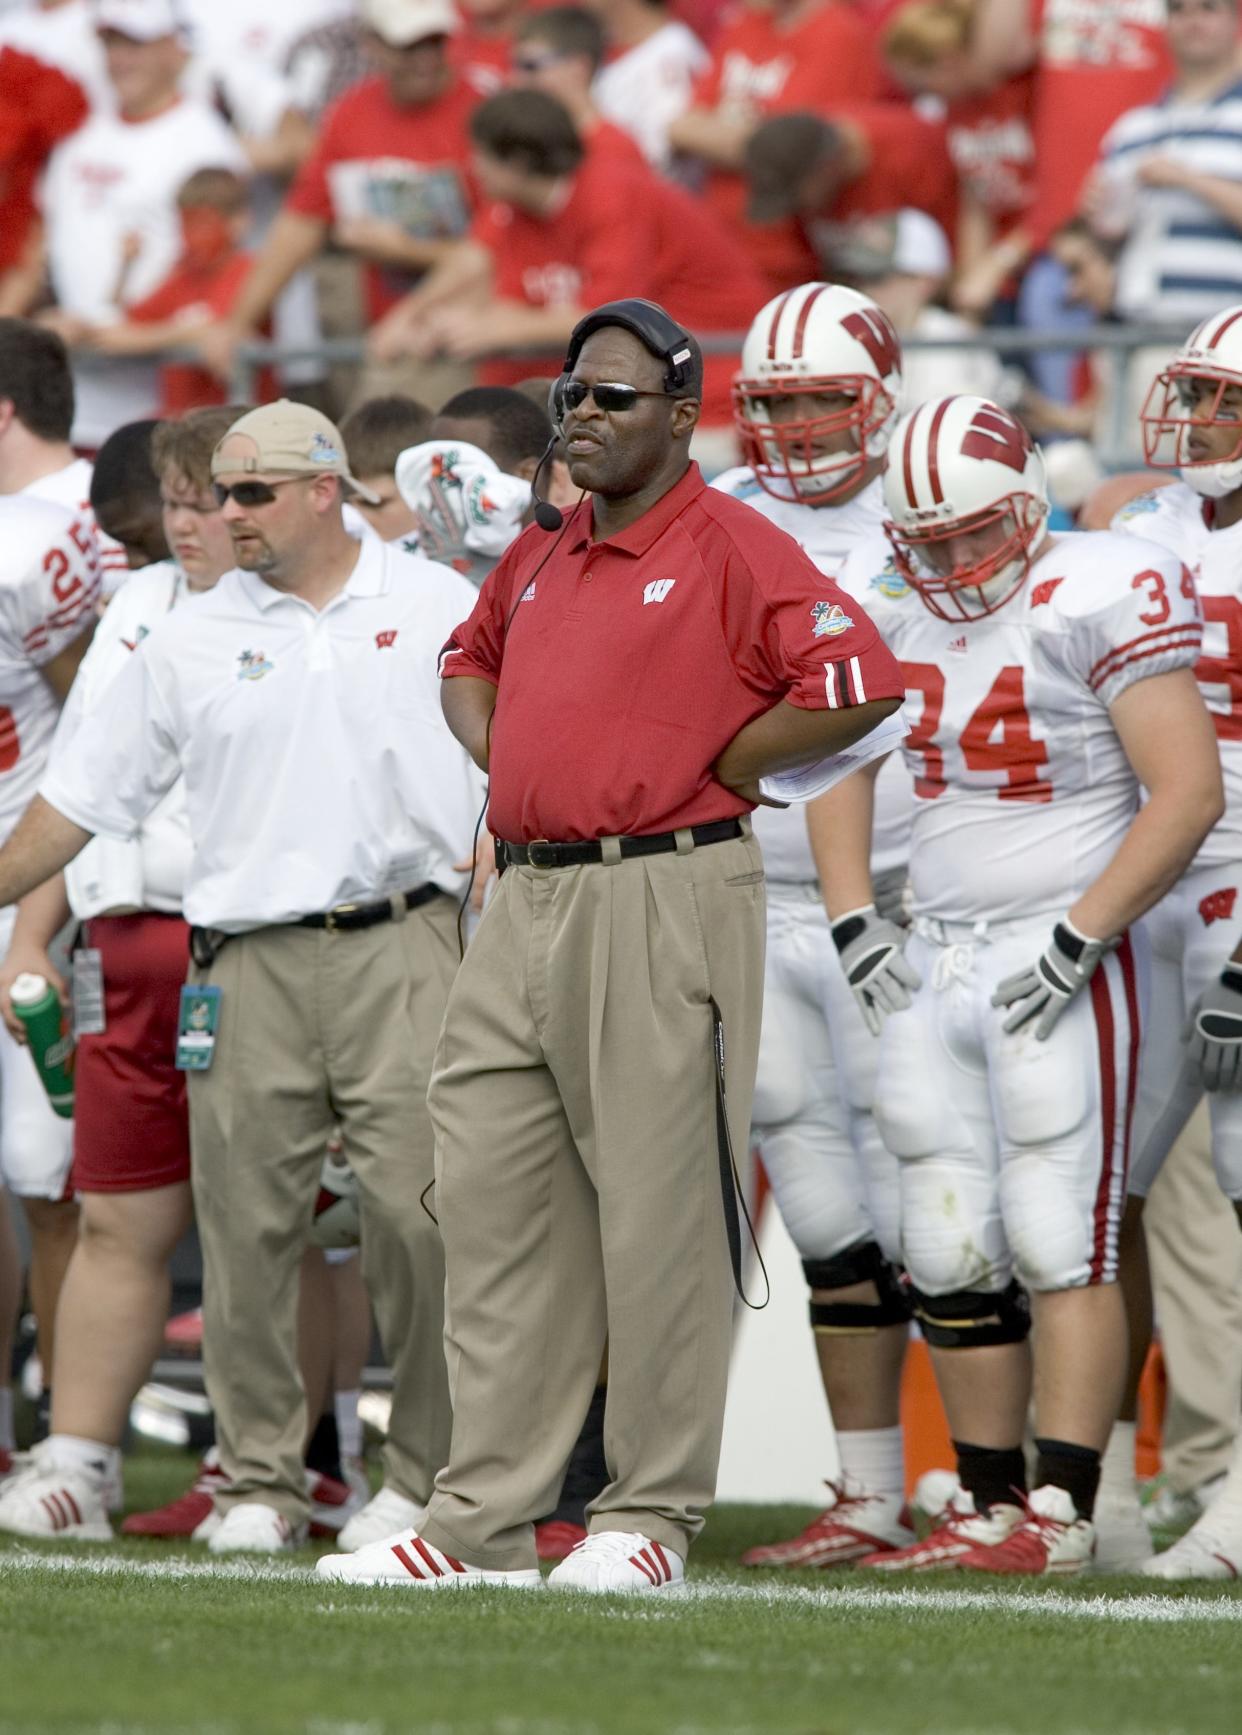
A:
{"x": 327, "y": 803}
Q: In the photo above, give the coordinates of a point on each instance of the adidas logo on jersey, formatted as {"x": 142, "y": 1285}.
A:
{"x": 958, "y": 644}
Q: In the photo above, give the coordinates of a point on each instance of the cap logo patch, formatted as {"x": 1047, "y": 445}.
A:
{"x": 322, "y": 451}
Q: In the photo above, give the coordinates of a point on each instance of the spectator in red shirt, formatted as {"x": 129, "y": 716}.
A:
{"x": 387, "y": 180}
{"x": 857, "y": 162}
{"x": 567, "y": 229}
{"x": 203, "y": 286}
{"x": 482, "y": 48}
{"x": 771, "y": 57}
{"x": 39, "y": 106}
{"x": 559, "y": 51}
{"x": 927, "y": 49}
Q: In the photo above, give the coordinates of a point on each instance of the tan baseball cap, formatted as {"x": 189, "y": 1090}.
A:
{"x": 289, "y": 438}
{"x": 403, "y": 22}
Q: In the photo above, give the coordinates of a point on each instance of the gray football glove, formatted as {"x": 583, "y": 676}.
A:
{"x": 873, "y": 957}
{"x": 1213, "y": 1032}
{"x": 1053, "y": 980}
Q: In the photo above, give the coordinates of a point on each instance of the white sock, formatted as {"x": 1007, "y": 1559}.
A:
{"x": 873, "y": 1459}
{"x": 7, "y": 1442}
{"x": 91, "y": 1458}
{"x": 348, "y": 1425}
{"x": 1117, "y": 1472}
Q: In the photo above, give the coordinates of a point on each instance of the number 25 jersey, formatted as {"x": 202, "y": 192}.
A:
{"x": 1022, "y": 789}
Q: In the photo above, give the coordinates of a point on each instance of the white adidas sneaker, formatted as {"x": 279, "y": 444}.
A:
{"x": 383, "y": 1515}
{"x": 46, "y": 1501}
{"x": 1209, "y": 1549}
{"x": 407, "y": 1560}
{"x": 623, "y": 1560}
{"x": 254, "y": 1528}
{"x": 1122, "y": 1539}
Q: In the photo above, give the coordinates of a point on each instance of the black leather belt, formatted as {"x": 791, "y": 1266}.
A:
{"x": 207, "y": 943}
{"x": 347, "y": 918}
{"x": 542, "y": 854}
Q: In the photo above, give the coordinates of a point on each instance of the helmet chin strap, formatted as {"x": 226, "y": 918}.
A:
{"x": 1213, "y": 481}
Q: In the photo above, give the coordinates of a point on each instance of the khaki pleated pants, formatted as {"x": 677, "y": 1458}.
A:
{"x": 1195, "y": 1248}
{"x": 579, "y": 1193}
{"x": 318, "y": 1029}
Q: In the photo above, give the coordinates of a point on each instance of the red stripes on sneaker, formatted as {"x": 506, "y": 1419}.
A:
{"x": 428, "y": 1556}
{"x": 652, "y": 1562}
{"x": 406, "y": 1562}
{"x": 73, "y": 1505}
{"x": 663, "y": 1560}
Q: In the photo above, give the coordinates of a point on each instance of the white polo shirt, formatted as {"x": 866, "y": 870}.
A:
{"x": 318, "y": 767}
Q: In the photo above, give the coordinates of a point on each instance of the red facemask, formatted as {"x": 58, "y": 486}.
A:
{"x": 206, "y": 237}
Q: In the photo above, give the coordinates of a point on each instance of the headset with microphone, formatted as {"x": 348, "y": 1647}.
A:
{"x": 657, "y": 332}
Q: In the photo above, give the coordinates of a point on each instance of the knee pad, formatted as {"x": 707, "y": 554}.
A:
{"x": 862, "y": 1263}
{"x": 973, "y": 1318}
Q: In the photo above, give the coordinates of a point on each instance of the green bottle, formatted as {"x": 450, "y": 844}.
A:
{"x": 38, "y": 1006}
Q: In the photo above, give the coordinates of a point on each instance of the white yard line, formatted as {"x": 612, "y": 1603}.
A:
{"x": 905, "y": 1599}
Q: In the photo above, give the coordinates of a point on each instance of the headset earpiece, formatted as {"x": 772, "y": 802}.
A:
{"x": 556, "y": 402}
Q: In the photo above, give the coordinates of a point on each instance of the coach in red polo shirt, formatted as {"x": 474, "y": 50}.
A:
{"x": 626, "y": 681}
{"x": 569, "y": 227}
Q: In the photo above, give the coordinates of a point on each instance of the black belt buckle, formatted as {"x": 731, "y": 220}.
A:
{"x": 542, "y": 854}
{"x": 332, "y": 918}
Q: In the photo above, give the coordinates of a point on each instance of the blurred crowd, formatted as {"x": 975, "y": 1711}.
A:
{"x": 448, "y": 184}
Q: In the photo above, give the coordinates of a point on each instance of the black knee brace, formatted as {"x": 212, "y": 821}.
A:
{"x": 861, "y": 1264}
{"x": 974, "y": 1318}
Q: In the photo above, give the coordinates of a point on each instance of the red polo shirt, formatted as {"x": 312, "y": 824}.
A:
{"x": 630, "y": 664}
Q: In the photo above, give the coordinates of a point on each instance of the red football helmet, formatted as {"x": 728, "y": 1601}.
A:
{"x": 967, "y": 505}
{"x": 818, "y": 339}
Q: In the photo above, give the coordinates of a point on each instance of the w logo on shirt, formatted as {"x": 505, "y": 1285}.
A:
{"x": 658, "y": 589}
{"x": 386, "y": 640}
{"x": 1218, "y": 906}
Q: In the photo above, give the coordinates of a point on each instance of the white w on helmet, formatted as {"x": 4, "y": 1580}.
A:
{"x": 967, "y": 504}
{"x": 1192, "y": 419}
{"x": 818, "y": 341}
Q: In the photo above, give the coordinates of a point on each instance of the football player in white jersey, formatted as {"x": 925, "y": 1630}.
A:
{"x": 1192, "y": 422}
{"x": 36, "y": 415}
{"x": 815, "y": 404}
{"x": 49, "y": 585}
{"x": 1051, "y": 678}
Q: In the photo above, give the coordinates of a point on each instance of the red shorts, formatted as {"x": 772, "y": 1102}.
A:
{"x": 131, "y": 1121}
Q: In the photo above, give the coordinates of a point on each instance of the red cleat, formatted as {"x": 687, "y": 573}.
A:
{"x": 959, "y": 1531}
{"x": 182, "y": 1517}
{"x": 556, "y": 1539}
{"x": 853, "y": 1525}
{"x": 1051, "y": 1541}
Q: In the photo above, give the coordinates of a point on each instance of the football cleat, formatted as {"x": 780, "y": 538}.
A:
{"x": 334, "y": 1503}
{"x": 959, "y": 1529}
{"x": 383, "y": 1515}
{"x": 56, "y": 1504}
{"x": 556, "y": 1538}
{"x": 189, "y": 1512}
{"x": 1122, "y": 1539}
{"x": 852, "y": 1525}
{"x": 1208, "y": 1550}
{"x": 255, "y": 1528}
{"x": 1050, "y": 1540}
{"x": 619, "y": 1560}
{"x": 405, "y": 1559}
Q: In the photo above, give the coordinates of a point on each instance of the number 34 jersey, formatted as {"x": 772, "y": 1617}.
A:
{"x": 1178, "y": 518}
{"x": 1022, "y": 789}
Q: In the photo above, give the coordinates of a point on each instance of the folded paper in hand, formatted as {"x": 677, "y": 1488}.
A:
{"x": 809, "y": 781}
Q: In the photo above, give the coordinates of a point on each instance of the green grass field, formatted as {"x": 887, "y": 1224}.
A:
{"x": 139, "y": 1638}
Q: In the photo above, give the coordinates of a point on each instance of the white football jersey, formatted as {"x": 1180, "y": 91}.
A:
{"x": 49, "y": 584}
{"x": 1177, "y": 518}
{"x": 828, "y": 534}
{"x": 1022, "y": 789}
{"x": 71, "y": 488}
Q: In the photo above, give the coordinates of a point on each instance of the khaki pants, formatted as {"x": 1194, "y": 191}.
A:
{"x": 319, "y": 1028}
{"x": 1196, "y": 1273}
{"x": 578, "y": 1189}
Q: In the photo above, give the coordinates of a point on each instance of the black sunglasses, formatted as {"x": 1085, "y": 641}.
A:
{"x": 608, "y": 396}
{"x": 252, "y": 493}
